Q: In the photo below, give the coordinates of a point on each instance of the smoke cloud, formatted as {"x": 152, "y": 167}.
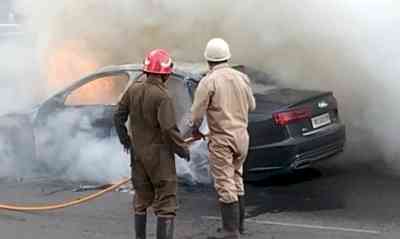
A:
{"x": 19, "y": 73}
{"x": 349, "y": 47}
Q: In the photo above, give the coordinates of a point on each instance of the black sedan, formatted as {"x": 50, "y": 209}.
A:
{"x": 291, "y": 129}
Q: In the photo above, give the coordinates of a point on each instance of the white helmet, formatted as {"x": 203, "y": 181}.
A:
{"x": 217, "y": 50}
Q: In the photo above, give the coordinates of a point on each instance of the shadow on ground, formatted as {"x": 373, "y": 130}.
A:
{"x": 291, "y": 192}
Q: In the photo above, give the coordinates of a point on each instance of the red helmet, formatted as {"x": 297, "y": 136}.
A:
{"x": 158, "y": 61}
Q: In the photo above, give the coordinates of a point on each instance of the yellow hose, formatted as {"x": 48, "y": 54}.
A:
{"x": 75, "y": 201}
{"x": 64, "y": 204}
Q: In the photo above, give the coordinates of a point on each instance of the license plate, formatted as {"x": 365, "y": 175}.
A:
{"x": 321, "y": 120}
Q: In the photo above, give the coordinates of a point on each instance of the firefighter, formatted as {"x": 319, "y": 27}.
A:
{"x": 225, "y": 97}
{"x": 155, "y": 137}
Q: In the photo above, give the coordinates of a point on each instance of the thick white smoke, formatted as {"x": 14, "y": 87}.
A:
{"x": 19, "y": 73}
{"x": 70, "y": 149}
{"x": 349, "y": 47}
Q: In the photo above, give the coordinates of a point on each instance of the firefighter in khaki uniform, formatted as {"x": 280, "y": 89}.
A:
{"x": 155, "y": 138}
{"x": 225, "y": 96}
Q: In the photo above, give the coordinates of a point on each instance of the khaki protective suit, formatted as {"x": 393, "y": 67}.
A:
{"x": 225, "y": 96}
{"x": 155, "y": 138}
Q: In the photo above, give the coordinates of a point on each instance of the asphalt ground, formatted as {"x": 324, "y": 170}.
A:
{"x": 338, "y": 199}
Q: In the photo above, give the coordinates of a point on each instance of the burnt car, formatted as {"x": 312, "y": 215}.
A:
{"x": 291, "y": 129}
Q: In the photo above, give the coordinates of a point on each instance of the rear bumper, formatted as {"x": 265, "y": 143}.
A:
{"x": 297, "y": 153}
{"x": 305, "y": 159}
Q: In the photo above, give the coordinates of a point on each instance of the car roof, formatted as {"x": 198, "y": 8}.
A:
{"x": 185, "y": 70}
{"x": 192, "y": 71}
{"x": 180, "y": 68}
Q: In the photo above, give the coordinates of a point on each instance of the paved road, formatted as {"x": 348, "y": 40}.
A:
{"x": 343, "y": 199}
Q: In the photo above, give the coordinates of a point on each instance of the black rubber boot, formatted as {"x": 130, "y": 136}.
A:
{"x": 242, "y": 214}
{"x": 230, "y": 222}
{"x": 140, "y": 226}
{"x": 165, "y": 227}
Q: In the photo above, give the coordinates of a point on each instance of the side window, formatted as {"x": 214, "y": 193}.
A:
{"x": 105, "y": 90}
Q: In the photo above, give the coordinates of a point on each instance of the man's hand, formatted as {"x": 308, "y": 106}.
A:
{"x": 127, "y": 144}
{"x": 127, "y": 148}
{"x": 196, "y": 134}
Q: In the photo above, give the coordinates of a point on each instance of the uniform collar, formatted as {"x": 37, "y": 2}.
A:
{"x": 220, "y": 66}
{"x": 155, "y": 81}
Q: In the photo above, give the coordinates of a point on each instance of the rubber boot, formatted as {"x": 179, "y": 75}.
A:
{"x": 230, "y": 222}
{"x": 165, "y": 227}
{"x": 140, "y": 226}
{"x": 242, "y": 214}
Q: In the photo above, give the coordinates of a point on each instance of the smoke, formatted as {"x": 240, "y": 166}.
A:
{"x": 18, "y": 75}
{"x": 71, "y": 149}
{"x": 349, "y": 47}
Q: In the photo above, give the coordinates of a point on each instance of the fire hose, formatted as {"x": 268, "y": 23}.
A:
{"x": 77, "y": 201}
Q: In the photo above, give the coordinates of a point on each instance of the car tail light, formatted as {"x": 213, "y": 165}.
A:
{"x": 290, "y": 116}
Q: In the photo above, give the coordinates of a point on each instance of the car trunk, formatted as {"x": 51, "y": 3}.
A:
{"x": 284, "y": 113}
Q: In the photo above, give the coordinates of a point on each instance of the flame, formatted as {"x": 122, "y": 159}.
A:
{"x": 69, "y": 63}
